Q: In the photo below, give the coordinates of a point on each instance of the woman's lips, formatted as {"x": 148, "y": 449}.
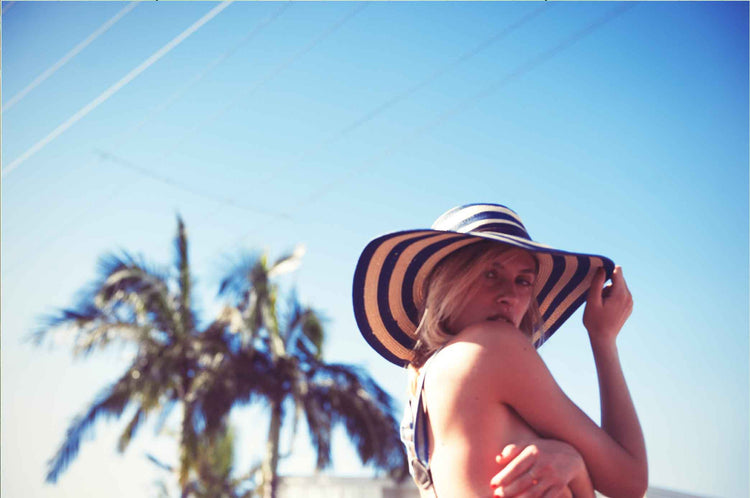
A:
{"x": 499, "y": 317}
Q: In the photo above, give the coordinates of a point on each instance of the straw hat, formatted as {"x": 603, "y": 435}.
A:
{"x": 392, "y": 269}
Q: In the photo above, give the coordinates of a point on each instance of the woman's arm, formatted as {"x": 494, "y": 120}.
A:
{"x": 605, "y": 314}
{"x": 507, "y": 368}
{"x": 544, "y": 467}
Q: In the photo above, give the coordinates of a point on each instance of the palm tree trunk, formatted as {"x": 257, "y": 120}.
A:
{"x": 272, "y": 451}
{"x": 187, "y": 448}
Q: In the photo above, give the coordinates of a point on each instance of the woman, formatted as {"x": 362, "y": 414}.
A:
{"x": 464, "y": 305}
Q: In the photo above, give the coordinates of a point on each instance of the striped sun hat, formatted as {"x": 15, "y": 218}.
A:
{"x": 393, "y": 267}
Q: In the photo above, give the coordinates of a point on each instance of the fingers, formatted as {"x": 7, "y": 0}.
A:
{"x": 617, "y": 277}
{"x": 618, "y": 281}
{"x": 518, "y": 461}
{"x": 538, "y": 490}
{"x": 510, "y": 452}
{"x": 526, "y": 486}
{"x": 595, "y": 291}
{"x": 620, "y": 289}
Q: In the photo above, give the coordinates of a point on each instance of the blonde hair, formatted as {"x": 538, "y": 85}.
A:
{"x": 447, "y": 290}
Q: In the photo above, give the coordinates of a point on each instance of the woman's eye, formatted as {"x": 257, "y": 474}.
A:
{"x": 525, "y": 282}
{"x": 490, "y": 274}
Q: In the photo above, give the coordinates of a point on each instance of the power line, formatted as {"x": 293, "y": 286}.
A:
{"x": 495, "y": 37}
{"x": 272, "y": 74}
{"x": 105, "y": 156}
{"x": 395, "y": 99}
{"x": 63, "y": 228}
{"x": 521, "y": 70}
{"x": 165, "y": 104}
{"x": 392, "y": 101}
{"x": 67, "y": 57}
{"x": 114, "y": 88}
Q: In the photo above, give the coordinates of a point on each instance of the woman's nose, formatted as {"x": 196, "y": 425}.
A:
{"x": 505, "y": 290}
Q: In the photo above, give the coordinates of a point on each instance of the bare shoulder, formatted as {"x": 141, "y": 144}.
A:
{"x": 482, "y": 349}
{"x": 491, "y": 336}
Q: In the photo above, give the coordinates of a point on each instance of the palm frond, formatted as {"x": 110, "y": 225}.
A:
{"x": 144, "y": 291}
{"x": 319, "y": 425}
{"x": 112, "y": 401}
{"x": 88, "y": 328}
{"x": 167, "y": 407}
{"x": 237, "y": 379}
{"x": 303, "y": 331}
{"x": 99, "y": 336}
{"x": 350, "y": 397}
{"x": 159, "y": 463}
{"x": 236, "y": 282}
{"x": 130, "y": 430}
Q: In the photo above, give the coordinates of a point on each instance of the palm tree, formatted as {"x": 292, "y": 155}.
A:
{"x": 213, "y": 469}
{"x": 150, "y": 309}
{"x": 249, "y": 353}
{"x": 326, "y": 394}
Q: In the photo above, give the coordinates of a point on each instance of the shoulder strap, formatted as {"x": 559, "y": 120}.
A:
{"x": 421, "y": 435}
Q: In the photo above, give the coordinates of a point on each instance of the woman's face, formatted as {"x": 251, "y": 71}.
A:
{"x": 502, "y": 292}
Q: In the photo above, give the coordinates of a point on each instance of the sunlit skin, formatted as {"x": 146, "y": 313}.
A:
{"x": 488, "y": 389}
{"x": 501, "y": 294}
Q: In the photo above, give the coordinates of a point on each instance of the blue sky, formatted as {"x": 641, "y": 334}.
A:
{"x": 618, "y": 129}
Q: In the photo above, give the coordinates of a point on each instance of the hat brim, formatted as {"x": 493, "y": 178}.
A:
{"x": 392, "y": 268}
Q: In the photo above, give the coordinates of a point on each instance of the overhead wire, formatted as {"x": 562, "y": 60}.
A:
{"x": 62, "y": 228}
{"x": 175, "y": 96}
{"x": 395, "y": 99}
{"x": 109, "y": 157}
{"x": 116, "y": 87}
{"x": 453, "y": 111}
{"x": 270, "y": 75}
{"x": 369, "y": 115}
{"x": 106, "y": 156}
{"x": 484, "y": 92}
{"x": 464, "y": 104}
{"x": 67, "y": 57}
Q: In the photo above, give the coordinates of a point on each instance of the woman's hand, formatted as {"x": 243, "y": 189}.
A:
{"x": 607, "y": 309}
{"x": 544, "y": 468}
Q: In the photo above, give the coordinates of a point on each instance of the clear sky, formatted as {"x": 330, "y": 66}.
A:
{"x": 618, "y": 129}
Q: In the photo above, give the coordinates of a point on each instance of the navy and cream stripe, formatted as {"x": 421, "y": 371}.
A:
{"x": 391, "y": 271}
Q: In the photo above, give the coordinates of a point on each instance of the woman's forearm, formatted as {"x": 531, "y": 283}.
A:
{"x": 607, "y": 310}
{"x": 618, "y": 415}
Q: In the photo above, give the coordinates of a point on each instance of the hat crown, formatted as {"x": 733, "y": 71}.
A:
{"x": 482, "y": 218}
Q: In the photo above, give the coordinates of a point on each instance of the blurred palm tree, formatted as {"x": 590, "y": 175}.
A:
{"x": 253, "y": 351}
{"x": 151, "y": 310}
{"x": 326, "y": 394}
{"x": 213, "y": 465}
